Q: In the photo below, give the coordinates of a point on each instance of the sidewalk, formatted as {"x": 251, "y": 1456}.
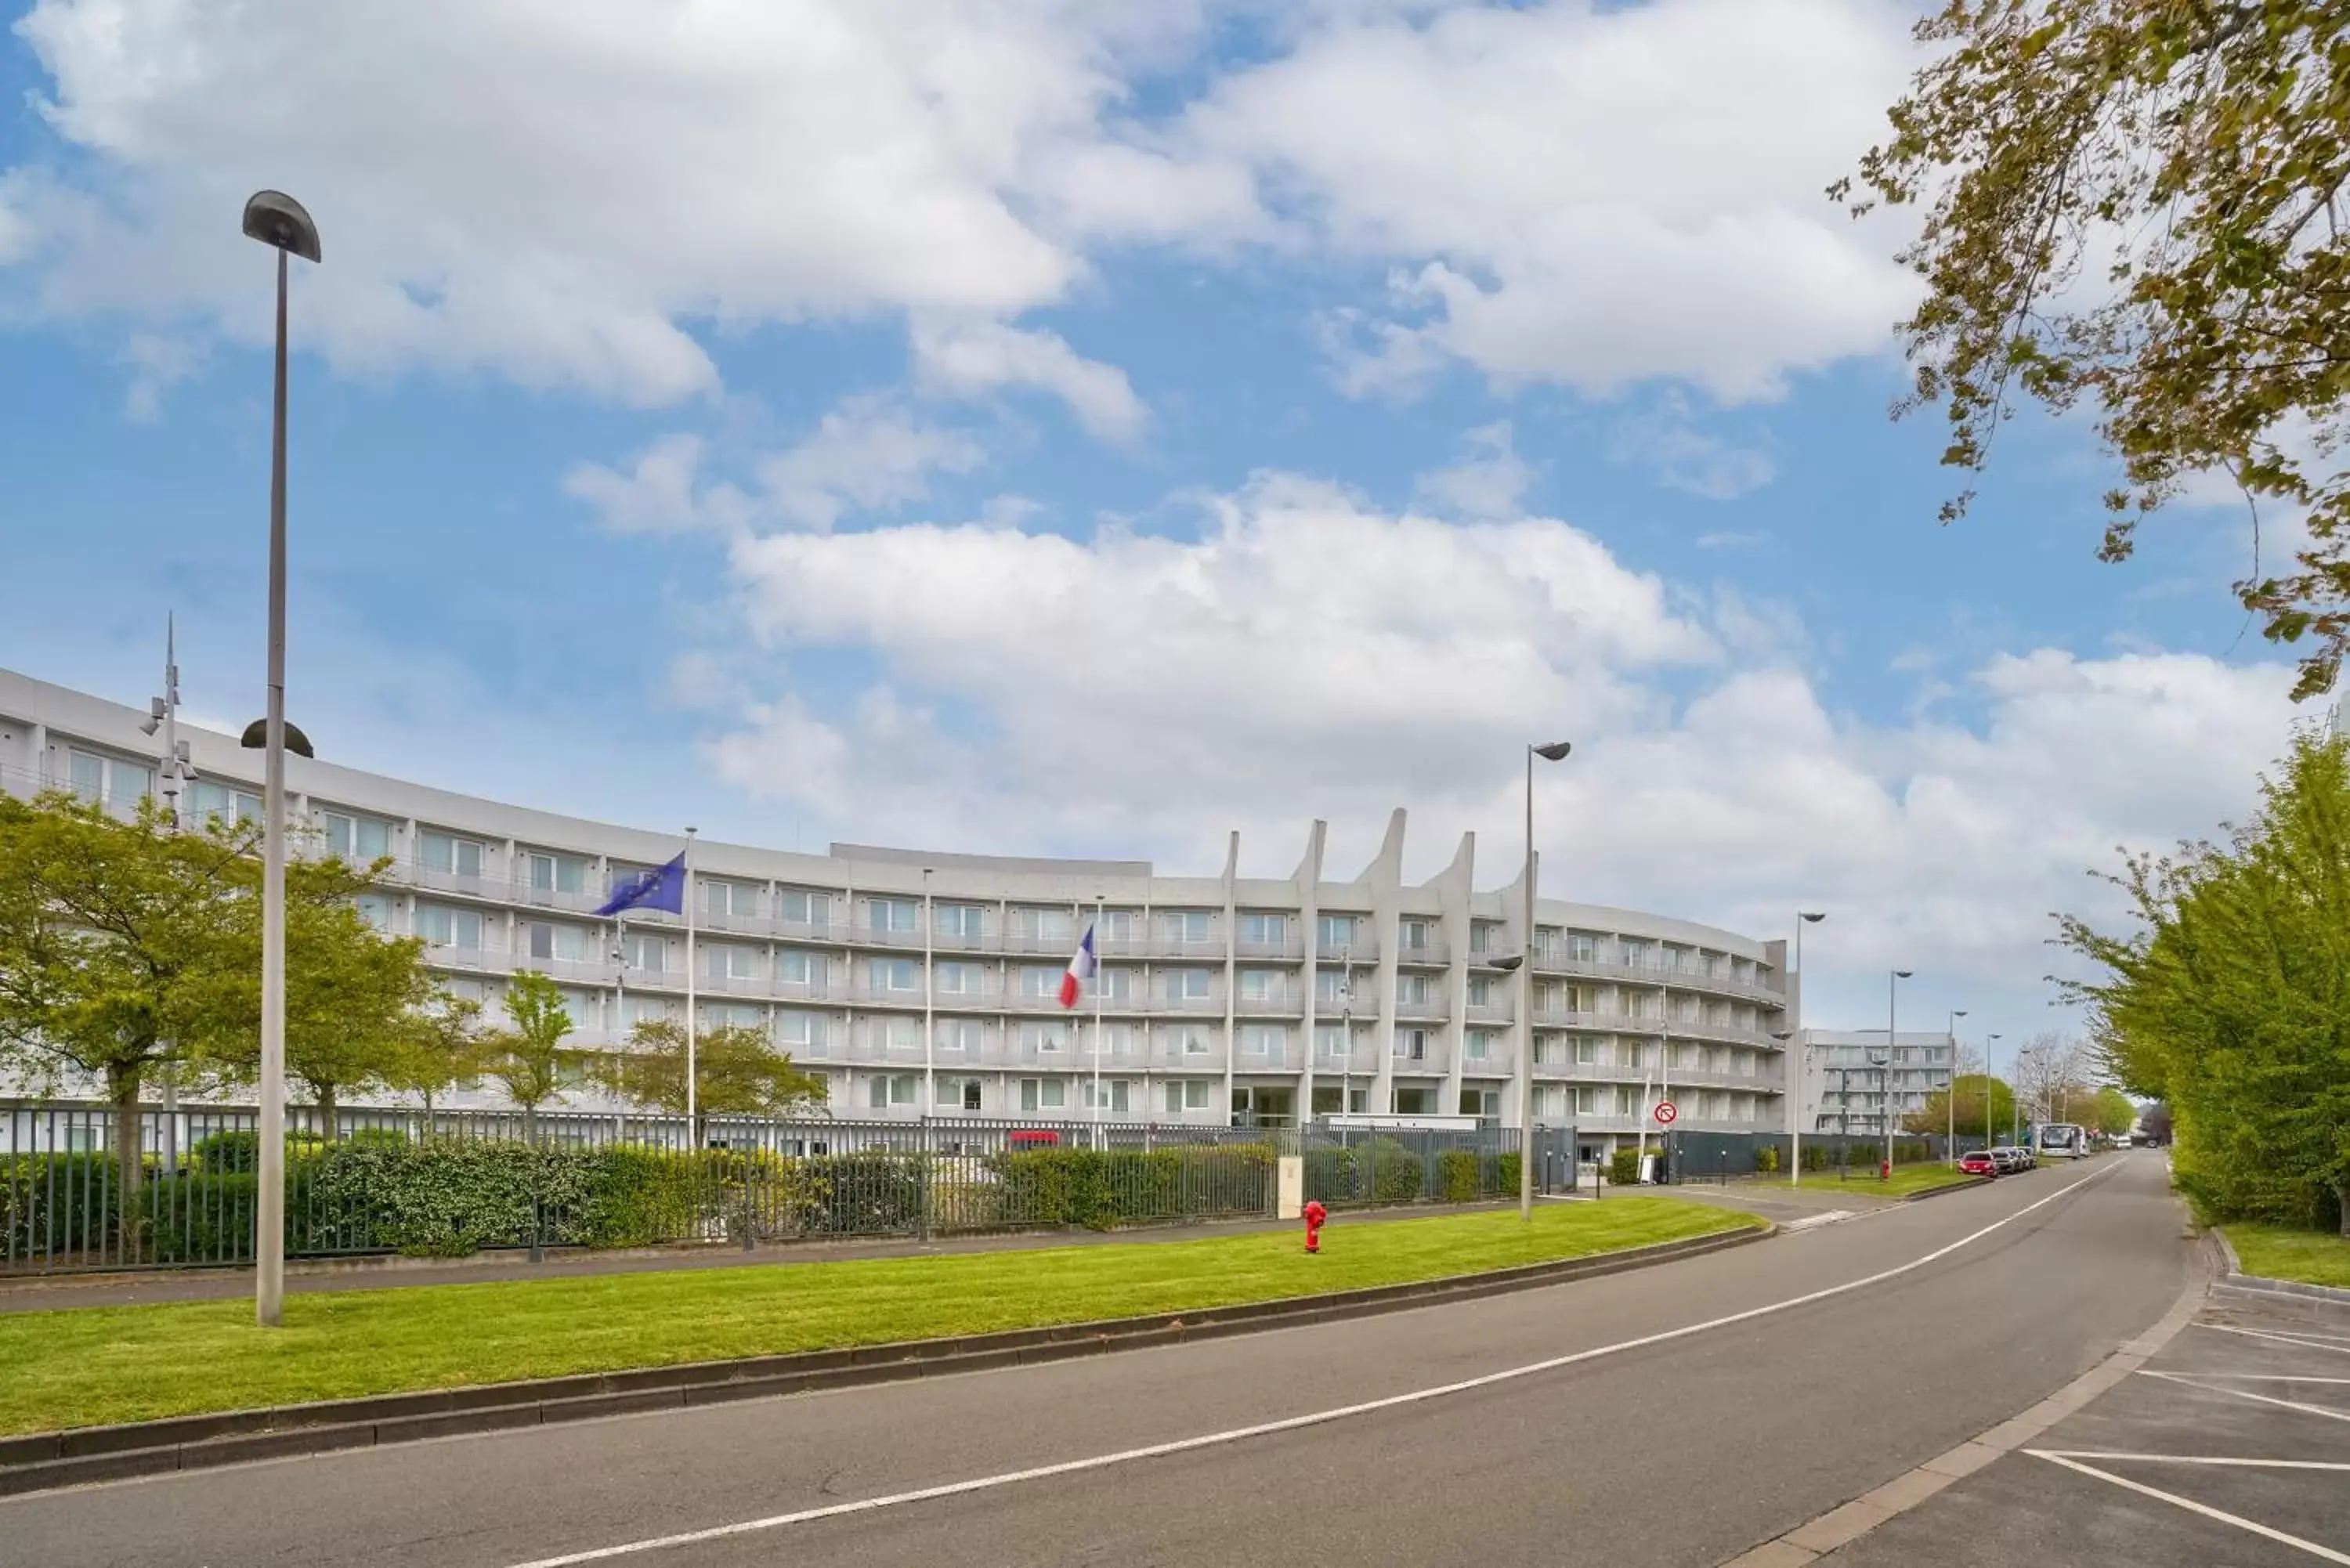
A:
{"x": 47, "y": 1293}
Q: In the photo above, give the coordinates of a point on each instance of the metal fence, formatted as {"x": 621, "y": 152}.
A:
{"x": 1697, "y": 1157}
{"x": 1356, "y": 1168}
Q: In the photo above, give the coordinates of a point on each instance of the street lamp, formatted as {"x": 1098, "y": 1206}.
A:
{"x": 1552, "y": 752}
{"x": 1885, "y": 1094}
{"x": 276, "y": 219}
{"x": 1795, "y": 1112}
{"x": 1988, "y": 1040}
{"x": 1950, "y": 1094}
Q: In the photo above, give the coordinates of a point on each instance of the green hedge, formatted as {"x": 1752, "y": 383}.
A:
{"x": 1623, "y": 1167}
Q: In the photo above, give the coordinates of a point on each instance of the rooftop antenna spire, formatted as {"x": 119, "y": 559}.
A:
{"x": 164, "y": 713}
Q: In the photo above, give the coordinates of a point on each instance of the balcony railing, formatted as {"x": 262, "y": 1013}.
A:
{"x": 1430, "y": 953}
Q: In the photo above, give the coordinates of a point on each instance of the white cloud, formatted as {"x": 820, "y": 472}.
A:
{"x": 970, "y": 357}
{"x": 869, "y": 454}
{"x": 157, "y": 363}
{"x": 1304, "y": 656}
{"x": 1593, "y": 195}
{"x": 1732, "y": 539}
{"x": 1667, "y": 442}
{"x": 1490, "y": 480}
{"x": 551, "y": 191}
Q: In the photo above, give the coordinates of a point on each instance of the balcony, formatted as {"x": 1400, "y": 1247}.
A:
{"x": 1271, "y": 1004}
{"x": 1433, "y": 1008}
{"x": 1362, "y": 952}
{"x": 1429, "y": 954}
{"x": 1494, "y": 1012}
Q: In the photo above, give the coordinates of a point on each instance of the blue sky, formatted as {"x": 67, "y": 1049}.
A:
{"x": 1027, "y": 405}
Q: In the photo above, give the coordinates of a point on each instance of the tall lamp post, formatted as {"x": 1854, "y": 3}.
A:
{"x": 1950, "y": 1094}
{"x": 276, "y": 219}
{"x": 1885, "y": 1100}
{"x": 1989, "y": 1040}
{"x": 1551, "y": 753}
{"x": 1795, "y": 1112}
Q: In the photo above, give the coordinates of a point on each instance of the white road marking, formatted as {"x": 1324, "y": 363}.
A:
{"x": 2280, "y": 1338}
{"x": 1814, "y": 1222}
{"x": 2188, "y": 1460}
{"x": 1288, "y": 1424}
{"x": 2189, "y": 1503}
{"x": 2247, "y": 1394}
{"x": 2267, "y": 1377}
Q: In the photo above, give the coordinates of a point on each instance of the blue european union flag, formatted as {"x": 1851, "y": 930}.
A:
{"x": 662, "y": 887}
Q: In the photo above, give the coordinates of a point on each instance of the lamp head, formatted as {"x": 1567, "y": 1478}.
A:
{"x": 256, "y": 737}
{"x": 1554, "y": 751}
{"x": 1510, "y": 963}
{"x": 1815, "y": 916}
{"x": 1903, "y": 973}
{"x": 277, "y": 219}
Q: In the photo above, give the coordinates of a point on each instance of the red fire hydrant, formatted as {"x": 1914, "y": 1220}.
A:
{"x": 1314, "y": 1214}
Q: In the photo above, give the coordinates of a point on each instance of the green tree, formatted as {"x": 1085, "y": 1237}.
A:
{"x": 736, "y": 1072}
{"x": 528, "y": 1055}
{"x": 1936, "y": 1115}
{"x": 2112, "y": 1112}
{"x": 441, "y": 1046}
{"x": 2231, "y": 1001}
{"x": 114, "y": 936}
{"x": 2136, "y": 205}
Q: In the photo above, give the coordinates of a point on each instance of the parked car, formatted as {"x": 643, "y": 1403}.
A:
{"x": 2006, "y": 1160}
{"x": 1978, "y": 1162}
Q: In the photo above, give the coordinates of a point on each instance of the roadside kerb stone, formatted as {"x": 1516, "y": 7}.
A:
{"x": 78, "y": 1456}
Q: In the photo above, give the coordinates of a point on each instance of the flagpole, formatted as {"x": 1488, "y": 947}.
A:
{"x": 691, "y": 1137}
{"x": 1098, "y": 980}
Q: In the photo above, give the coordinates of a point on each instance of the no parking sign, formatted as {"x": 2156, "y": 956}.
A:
{"x": 1666, "y": 1112}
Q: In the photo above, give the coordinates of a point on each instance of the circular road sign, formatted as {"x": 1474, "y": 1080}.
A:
{"x": 1666, "y": 1112}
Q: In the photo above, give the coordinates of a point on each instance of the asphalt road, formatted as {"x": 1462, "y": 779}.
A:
{"x": 1685, "y": 1451}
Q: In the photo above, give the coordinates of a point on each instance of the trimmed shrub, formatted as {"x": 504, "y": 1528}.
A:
{"x": 239, "y": 1153}
{"x": 1766, "y": 1157}
{"x": 1397, "y": 1175}
{"x": 1456, "y": 1176}
{"x": 1623, "y": 1167}
{"x": 869, "y": 1192}
{"x": 1505, "y": 1173}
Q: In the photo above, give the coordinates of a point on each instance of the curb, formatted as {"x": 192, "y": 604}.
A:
{"x": 77, "y": 1456}
{"x": 1841, "y": 1526}
{"x": 2322, "y": 1301}
{"x": 1967, "y": 1186}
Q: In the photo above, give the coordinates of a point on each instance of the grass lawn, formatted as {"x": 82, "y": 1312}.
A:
{"x": 1906, "y": 1178}
{"x": 2275, "y": 1253}
{"x": 101, "y": 1365}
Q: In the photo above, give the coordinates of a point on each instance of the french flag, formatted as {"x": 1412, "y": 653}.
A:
{"x": 1081, "y": 969}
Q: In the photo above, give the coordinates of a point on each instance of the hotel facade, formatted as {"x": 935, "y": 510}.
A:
{"x": 923, "y": 983}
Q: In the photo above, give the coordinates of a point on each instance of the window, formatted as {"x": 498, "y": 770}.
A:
{"x": 442, "y": 852}
{"x": 1105, "y": 1095}
{"x": 1045, "y": 925}
{"x": 1186, "y": 1096}
{"x": 1550, "y": 1103}
{"x": 1264, "y": 985}
{"x": 1412, "y": 1101}
{"x": 441, "y": 927}
{"x": 884, "y": 1090}
{"x": 799, "y": 1031}
{"x": 803, "y": 908}
{"x": 1117, "y": 925}
{"x": 1582, "y": 946}
{"x": 89, "y": 776}
{"x": 1483, "y": 935}
{"x": 1263, "y": 1040}
{"x": 731, "y": 961}
{"x": 967, "y": 922}
{"x": 1481, "y": 1103}
{"x": 1184, "y": 984}
{"x": 959, "y": 1093}
{"x": 723, "y": 900}
{"x": 1265, "y": 930}
{"x": 959, "y": 1036}
{"x": 740, "y": 1014}
{"x": 357, "y": 840}
{"x": 1330, "y": 985}
{"x": 890, "y": 914}
{"x": 649, "y": 953}
{"x": 1485, "y": 991}
{"x": 961, "y": 979}
{"x": 797, "y": 966}
{"x": 896, "y": 1034}
{"x": 1042, "y": 1093}
{"x": 1587, "y": 1100}
{"x": 1115, "y": 1040}
{"x": 1413, "y": 935}
{"x": 206, "y": 798}
{"x": 546, "y": 940}
{"x": 1037, "y": 980}
{"x": 375, "y": 908}
{"x": 1637, "y": 953}
{"x": 891, "y": 974}
{"x": 1041, "y": 1038}
{"x": 1116, "y": 981}
{"x": 1586, "y": 1050}
{"x": 1187, "y": 1038}
{"x": 1411, "y": 1044}
{"x": 1412, "y": 988}
{"x": 1186, "y": 926}
{"x": 1550, "y": 1051}
{"x": 1330, "y": 1041}
{"x": 1480, "y": 1044}
{"x": 1335, "y": 930}
{"x": 645, "y": 1010}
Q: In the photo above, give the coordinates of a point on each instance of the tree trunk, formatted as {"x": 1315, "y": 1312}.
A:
{"x": 122, "y": 1086}
{"x": 2342, "y": 1205}
{"x": 330, "y": 1114}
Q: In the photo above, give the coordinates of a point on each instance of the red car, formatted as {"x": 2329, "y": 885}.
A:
{"x": 1978, "y": 1162}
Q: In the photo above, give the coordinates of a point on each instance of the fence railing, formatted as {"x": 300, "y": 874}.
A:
{"x": 185, "y": 1191}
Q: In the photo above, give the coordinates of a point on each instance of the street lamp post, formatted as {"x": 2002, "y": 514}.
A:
{"x": 1884, "y": 1079}
{"x": 1989, "y": 1040}
{"x": 1796, "y": 1114}
{"x": 1950, "y": 1094}
{"x": 276, "y": 219}
{"x": 1551, "y": 753}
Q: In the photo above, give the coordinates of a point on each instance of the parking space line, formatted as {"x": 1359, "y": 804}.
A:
{"x": 2227, "y": 1459}
{"x": 2247, "y": 1394}
{"x": 2280, "y": 1338}
{"x": 2189, "y": 1503}
{"x": 2267, "y": 1377}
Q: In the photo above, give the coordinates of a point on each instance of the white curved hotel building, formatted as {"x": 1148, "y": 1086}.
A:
{"x": 925, "y": 983}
